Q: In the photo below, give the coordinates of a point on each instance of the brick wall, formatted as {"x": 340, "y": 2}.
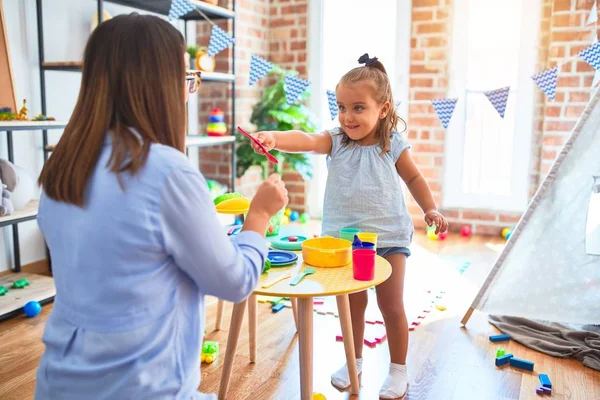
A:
{"x": 563, "y": 33}
{"x": 276, "y": 31}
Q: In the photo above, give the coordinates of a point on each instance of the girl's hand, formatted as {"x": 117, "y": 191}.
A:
{"x": 434, "y": 217}
{"x": 267, "y": 139}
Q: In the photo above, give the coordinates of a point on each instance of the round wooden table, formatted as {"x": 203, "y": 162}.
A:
{"x": 337, "y": 282}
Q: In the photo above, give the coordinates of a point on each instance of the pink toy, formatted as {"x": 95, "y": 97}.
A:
{"x": 292, "y": 239}
{"x": 443, "y": 235}
{"x": 363, "y": 264}
{"x": 465, "y": 231}
{"x": 339, "y": 338}
{"x": 259, "y": 144}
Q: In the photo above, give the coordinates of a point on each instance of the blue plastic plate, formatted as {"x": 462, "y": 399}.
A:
{"x": 280, "y": 258}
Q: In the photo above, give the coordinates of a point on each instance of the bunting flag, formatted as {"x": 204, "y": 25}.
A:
{"x": 591, "y": 55}
{"x": 259, "y": 67}
{"x": 179, "y": 8}
{"x": 333, "y": 107}
{"x": 294, "y": 87}
{"x": 593, "y": 17}
{"x": 444, "y": 109}
{"x": 219, "y": 41}
{"x": 546, "y": 81}
{"x": 498, "y": 99}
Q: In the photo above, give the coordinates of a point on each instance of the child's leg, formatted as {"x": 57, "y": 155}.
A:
{"x": 390, "y": 298}
{"x": 358, "y": 307}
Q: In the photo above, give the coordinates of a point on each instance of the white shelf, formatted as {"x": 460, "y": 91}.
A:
{"x": 31, "y": 125}
{"x": 28, "y": 213}
{"x": 207, "y": 141}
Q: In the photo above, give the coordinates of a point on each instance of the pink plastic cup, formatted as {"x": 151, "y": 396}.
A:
{"x": 363, "y": 264}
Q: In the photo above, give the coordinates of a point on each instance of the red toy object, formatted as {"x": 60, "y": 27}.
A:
{"x": 292, "y": 239}
{"x": 443, "y": 235}
{"x": 269, "y": 156}
{"x": 465, "y": 231}
{"x": 363, "y": 264}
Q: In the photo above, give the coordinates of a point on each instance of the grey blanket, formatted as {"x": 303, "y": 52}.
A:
{"x": 579, "y": 342}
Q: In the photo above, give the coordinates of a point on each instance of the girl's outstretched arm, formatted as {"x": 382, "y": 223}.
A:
{"x": 294, "y": 142}
{"x": 418, "y": 187}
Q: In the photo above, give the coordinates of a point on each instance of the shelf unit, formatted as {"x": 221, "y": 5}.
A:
{"x": 42, "y": 288}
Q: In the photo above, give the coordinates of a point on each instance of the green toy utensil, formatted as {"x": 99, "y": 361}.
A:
{"x": 301, "y": 275}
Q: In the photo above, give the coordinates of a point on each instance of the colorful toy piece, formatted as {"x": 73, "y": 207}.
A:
{"x": 288, "y": 212}
{"x": 523, "y": 364}
{"x": 431, "y": 235}
{"x": 443, "y": 235}
{"x": 285, "y": 220}
{"x": 267, "y": 266}
{"x": 318, "y": 396}
{"x": 539, "y": 390}
{"x": 505, "y": 232}
{"x": 503, "y": 360}
{"x": 20, "y": 283}
{"x": 294, "y": 216}
{"x": 500, "y": 352}
{"x": 278, "y": 307}
{"x": 216, "y": 123}
{"x": 304, "y": 218}
{"x": 499, "y": 338}
{"x": 210, "y": 351}
{"x": 545, "y": 381}
{"x": 466, "y": 231}
{"x": 231, "y": 203}
{"x": 3, "y": 290}
{"x": 32, "y": 308}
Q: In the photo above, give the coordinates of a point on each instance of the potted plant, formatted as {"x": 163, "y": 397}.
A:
{"x": 192, "y": 50}
{"x": 272, "y": 113}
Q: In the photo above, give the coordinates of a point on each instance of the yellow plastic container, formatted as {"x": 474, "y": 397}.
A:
{"x": 368, "y": 237}
{"x": 327, "y": 252}
{"x": 238, "y": 205}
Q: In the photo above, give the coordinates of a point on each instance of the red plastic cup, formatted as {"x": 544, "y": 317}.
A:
{"x": 363, "y": 264}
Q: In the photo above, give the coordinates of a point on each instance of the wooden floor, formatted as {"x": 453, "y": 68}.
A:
{"x": 445, "y": 361}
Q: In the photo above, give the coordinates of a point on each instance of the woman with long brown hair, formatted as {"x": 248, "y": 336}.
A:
{"x": 131, "y": 228}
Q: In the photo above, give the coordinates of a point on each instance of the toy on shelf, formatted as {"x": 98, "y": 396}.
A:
{"x": 304, "y": 218}
{"x": 7, "y": 114}
{"x": 215, "y": 188}
{"x": 216, "y": 123}
{"x": 294, "y": 216}
{"x": 32, "y": 308}
{"x": 3, "y": 290}
{"x": 210, "y": 351}
{"x": 288, "y": 212}
{"x": 22, "y": 115}
{"x": 466, "y": 231}
{"x": 285, "y": 220}
{"x": 204, "y": 62}
{"x": 8, "y": 183}
{"x": 20, "y": 283}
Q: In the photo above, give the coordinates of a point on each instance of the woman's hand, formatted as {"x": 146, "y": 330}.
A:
{"x": 267, "y": 139}
{"x": 434, "y": 217}
{"x": 270, "y": 197}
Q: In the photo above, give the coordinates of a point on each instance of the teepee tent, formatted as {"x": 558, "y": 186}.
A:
{"x": 550, "y": 267}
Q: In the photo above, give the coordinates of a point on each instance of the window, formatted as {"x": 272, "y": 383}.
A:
{"x": 487, "y": 157}
{"x": 343, "y": 31}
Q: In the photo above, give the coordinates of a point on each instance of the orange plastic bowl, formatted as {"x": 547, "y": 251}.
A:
{"x": 327, "y": 252}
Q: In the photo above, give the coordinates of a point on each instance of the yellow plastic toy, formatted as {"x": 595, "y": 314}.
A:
{"x": 505, "y": 232}
{"x": 285, "y": 220}
{"x": 368, "y": 237}
{"x": 431, "y": 235}
{"x": 319, "y": 396}
{"x": 288, "y": 212}
{"x": 327, "y": 252}
{"x": 210, "y": 351}
{"x": 232, "y": 203}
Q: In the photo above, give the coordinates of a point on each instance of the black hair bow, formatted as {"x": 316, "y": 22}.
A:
{"x": 364, "y": 59}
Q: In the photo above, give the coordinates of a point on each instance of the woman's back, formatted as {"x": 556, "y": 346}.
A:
{"x": 99, "y": 333}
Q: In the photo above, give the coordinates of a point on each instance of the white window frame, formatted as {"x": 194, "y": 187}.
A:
{"x": 453, "y": 194}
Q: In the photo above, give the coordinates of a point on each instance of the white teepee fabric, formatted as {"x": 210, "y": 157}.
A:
{"x": 544, "y": 272}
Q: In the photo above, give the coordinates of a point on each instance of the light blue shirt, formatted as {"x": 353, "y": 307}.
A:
{"x": 131, "y": 270}
{"x": 364, "y": 191}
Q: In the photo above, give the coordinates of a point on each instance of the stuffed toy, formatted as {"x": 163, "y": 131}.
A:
{"x": 8, "y": 182}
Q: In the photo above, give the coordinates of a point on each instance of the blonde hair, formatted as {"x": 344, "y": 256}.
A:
{"x": 374, "y": 72}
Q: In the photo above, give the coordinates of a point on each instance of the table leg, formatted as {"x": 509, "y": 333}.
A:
{"x": 294, "y": 302}
{"x": 343, "y": 304}
{"x": 252, "y": 325}
{"x": 237, "y": 316}
{"x": 220, "y": 310}
{"x": 305, "y": 339}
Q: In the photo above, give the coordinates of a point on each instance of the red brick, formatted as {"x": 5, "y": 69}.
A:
{"x": 584, "y": 67}
{"x": 427, "y": 148}
{"x": 432, "y": 27}
{"x": 549, "y": 154}
{"x": 509, "y": 218}
{"x": 574, "y": 111}
{"x": 450, "y": 214}
{"x": 434, "y": 41}
{"x": 479, "y": 215}
{"x": 424, "y": 121}
{"x": 441, "y": 14}
{"x": 423, "y": 160}
{"x": 565, "y": 20}
{"x": 417, "y": 55}
{"x": 437, "y": 54}
{"x": 554, "y": 140}
{"x": 487, "y": 230}
{"x": 568, "y": 81}
{"x": 561, "y": 5}
{"x": 422, "y": 15}
{"x": 553, "y": 111}
{"x": 419, "y": 108}
{"x": 579, "y": 97}
{"x": 425, "y": 135}
{"x": 569, "y": 36}
{"x": 298, "y": 45}
{"x": 424, "y": 3}
{"x": 557, "y": 52}
{"x": 412, "y": 134}
{"x": 429, "y": 95}
{"x": 559, "y": 125}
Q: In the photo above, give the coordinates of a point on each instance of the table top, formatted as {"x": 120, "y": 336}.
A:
{"x": 324, "y": 282}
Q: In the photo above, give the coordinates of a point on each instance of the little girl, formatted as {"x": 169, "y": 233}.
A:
{"x": 367, "y": 156}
